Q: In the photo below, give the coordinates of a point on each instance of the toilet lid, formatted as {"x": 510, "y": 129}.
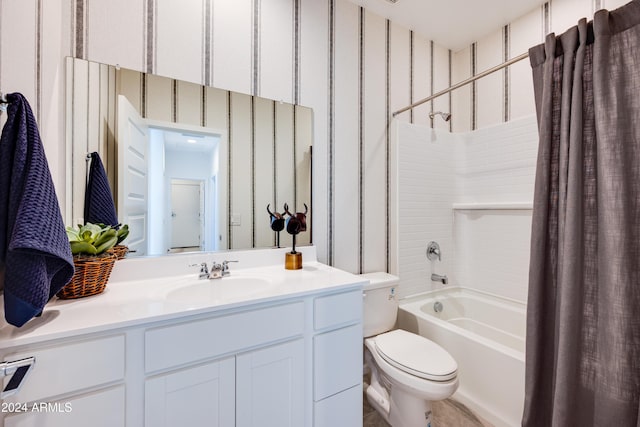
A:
{"x": 416, "y": 355}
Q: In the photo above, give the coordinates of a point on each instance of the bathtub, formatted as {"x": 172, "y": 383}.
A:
{"x": 485, "y": 334}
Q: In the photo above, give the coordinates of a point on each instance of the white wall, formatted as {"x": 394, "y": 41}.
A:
{"x": 350, "y": 66}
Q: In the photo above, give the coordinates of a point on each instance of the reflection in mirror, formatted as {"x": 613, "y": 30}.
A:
{"x": 191, "y": 163}
{"x": 186, "y": 219}
{"x": 177, "y": 194}
{"x": 169, "y": 183}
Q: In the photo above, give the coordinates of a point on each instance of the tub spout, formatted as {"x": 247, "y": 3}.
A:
{"x": 438, "y": 278}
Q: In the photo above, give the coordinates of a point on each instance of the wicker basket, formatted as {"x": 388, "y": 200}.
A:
{"x": 90, "y": 277}
{"x": 120, "y": 251}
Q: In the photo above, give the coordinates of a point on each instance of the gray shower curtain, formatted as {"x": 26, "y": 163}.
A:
{"x": 583, "y": 314}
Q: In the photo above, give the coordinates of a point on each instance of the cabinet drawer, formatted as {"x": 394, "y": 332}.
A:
{"x": 337, "y": 361}
{"x": 70, "y": 367}
{"x": 103, "y": 409}
{"x": 189, "y": 342}
{"x": 338, "y": 309}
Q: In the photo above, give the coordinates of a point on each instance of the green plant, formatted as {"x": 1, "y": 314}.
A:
{"x": 91, "y": 239}
{"x": 122, "y": 233}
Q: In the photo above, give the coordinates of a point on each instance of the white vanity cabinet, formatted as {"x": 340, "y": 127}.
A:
{"x": 337, "y": 360}
{"x": 284, "y": 362}
{"x": 253, "y": 371}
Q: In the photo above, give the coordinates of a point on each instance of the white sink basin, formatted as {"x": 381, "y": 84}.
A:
{"x": 227, "y": 288}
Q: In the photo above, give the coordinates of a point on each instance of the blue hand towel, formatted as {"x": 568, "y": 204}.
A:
{"x": 34, "y": 249}
{"x": 98, "y": 202}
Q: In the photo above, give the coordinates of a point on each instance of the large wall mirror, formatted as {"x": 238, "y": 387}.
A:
{"x": 191, "y": 167}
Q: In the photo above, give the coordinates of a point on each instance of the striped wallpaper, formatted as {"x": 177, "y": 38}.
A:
{"x": 350, "y": 66}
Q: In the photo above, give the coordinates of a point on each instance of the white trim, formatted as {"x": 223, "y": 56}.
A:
{"x": 493, "y": 206}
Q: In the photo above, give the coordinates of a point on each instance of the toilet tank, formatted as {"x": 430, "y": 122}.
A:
{"x": 380, "y": 304}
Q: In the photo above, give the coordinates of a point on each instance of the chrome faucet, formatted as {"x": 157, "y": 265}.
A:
{"x": 218, "y": 271}
{"x": 225, "y": 268}
{"x": 438, "y": 278}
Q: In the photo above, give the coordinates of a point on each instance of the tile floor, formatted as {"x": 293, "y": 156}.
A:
{"x": 446, "y": 413}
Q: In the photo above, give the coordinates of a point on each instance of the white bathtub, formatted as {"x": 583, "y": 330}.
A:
{"x": 485, "y": 334}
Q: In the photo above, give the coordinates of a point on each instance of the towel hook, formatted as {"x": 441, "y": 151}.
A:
{"x": 3, "y": 102}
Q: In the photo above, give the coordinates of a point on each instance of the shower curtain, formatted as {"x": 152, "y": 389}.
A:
{"x": 583, "y": 317}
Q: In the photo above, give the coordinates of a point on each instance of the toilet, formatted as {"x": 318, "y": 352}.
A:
{"x": 408, "y": 371}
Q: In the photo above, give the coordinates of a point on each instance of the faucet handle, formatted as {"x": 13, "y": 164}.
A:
{"x": 433, "y": 251}
{"x": 225, "y": 264}
{"x": 204, "y": 271}
{"x": 202, "y": 265}
{"x": 225, "y": 267}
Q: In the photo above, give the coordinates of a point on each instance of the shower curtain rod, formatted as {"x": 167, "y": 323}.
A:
{"x": 464, "y": 82}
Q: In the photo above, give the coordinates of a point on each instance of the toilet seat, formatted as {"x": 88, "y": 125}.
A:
{"x": 416, "y": 355}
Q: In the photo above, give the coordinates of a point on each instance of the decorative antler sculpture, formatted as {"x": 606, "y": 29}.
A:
{"x": 295, "y": 224}
{"x": 277, "y": 223}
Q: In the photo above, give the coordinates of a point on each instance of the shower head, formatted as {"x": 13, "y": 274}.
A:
{"x": 445, "y": 116}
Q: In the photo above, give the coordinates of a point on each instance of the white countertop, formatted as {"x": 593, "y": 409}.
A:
{"x": 139, "y": 292}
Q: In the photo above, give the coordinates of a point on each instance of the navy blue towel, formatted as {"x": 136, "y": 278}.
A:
{"x": 98, "y": 202}
{"x": 34, "y": 248}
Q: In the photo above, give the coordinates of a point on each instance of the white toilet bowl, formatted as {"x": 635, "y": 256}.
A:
{"x": 407, "y": 371}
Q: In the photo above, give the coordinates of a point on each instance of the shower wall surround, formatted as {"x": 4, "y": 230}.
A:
{"x": 318, "y": 53}
{"x": 426, "y": 191}
{"x": 495, "y": 166}
{"x": 442, "y": 180}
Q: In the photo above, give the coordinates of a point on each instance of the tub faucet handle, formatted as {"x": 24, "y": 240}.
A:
{"x": 433, "y": 251}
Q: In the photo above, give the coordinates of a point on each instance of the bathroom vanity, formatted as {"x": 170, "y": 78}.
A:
{"x": 262, "y": 347}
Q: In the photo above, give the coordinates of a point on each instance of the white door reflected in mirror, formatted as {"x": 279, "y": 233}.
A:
{"x": 133, "y": 189}
{"x": 169, "y": 190}
{"x": 187, "y": 212}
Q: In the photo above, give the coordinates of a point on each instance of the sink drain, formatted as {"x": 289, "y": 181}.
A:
{"x": 437, "y": 307}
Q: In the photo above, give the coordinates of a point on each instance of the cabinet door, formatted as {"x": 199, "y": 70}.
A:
{"x": 101, "y": 409}
{"x": 270, "y": 386}
{"x": 200, "y": 396}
